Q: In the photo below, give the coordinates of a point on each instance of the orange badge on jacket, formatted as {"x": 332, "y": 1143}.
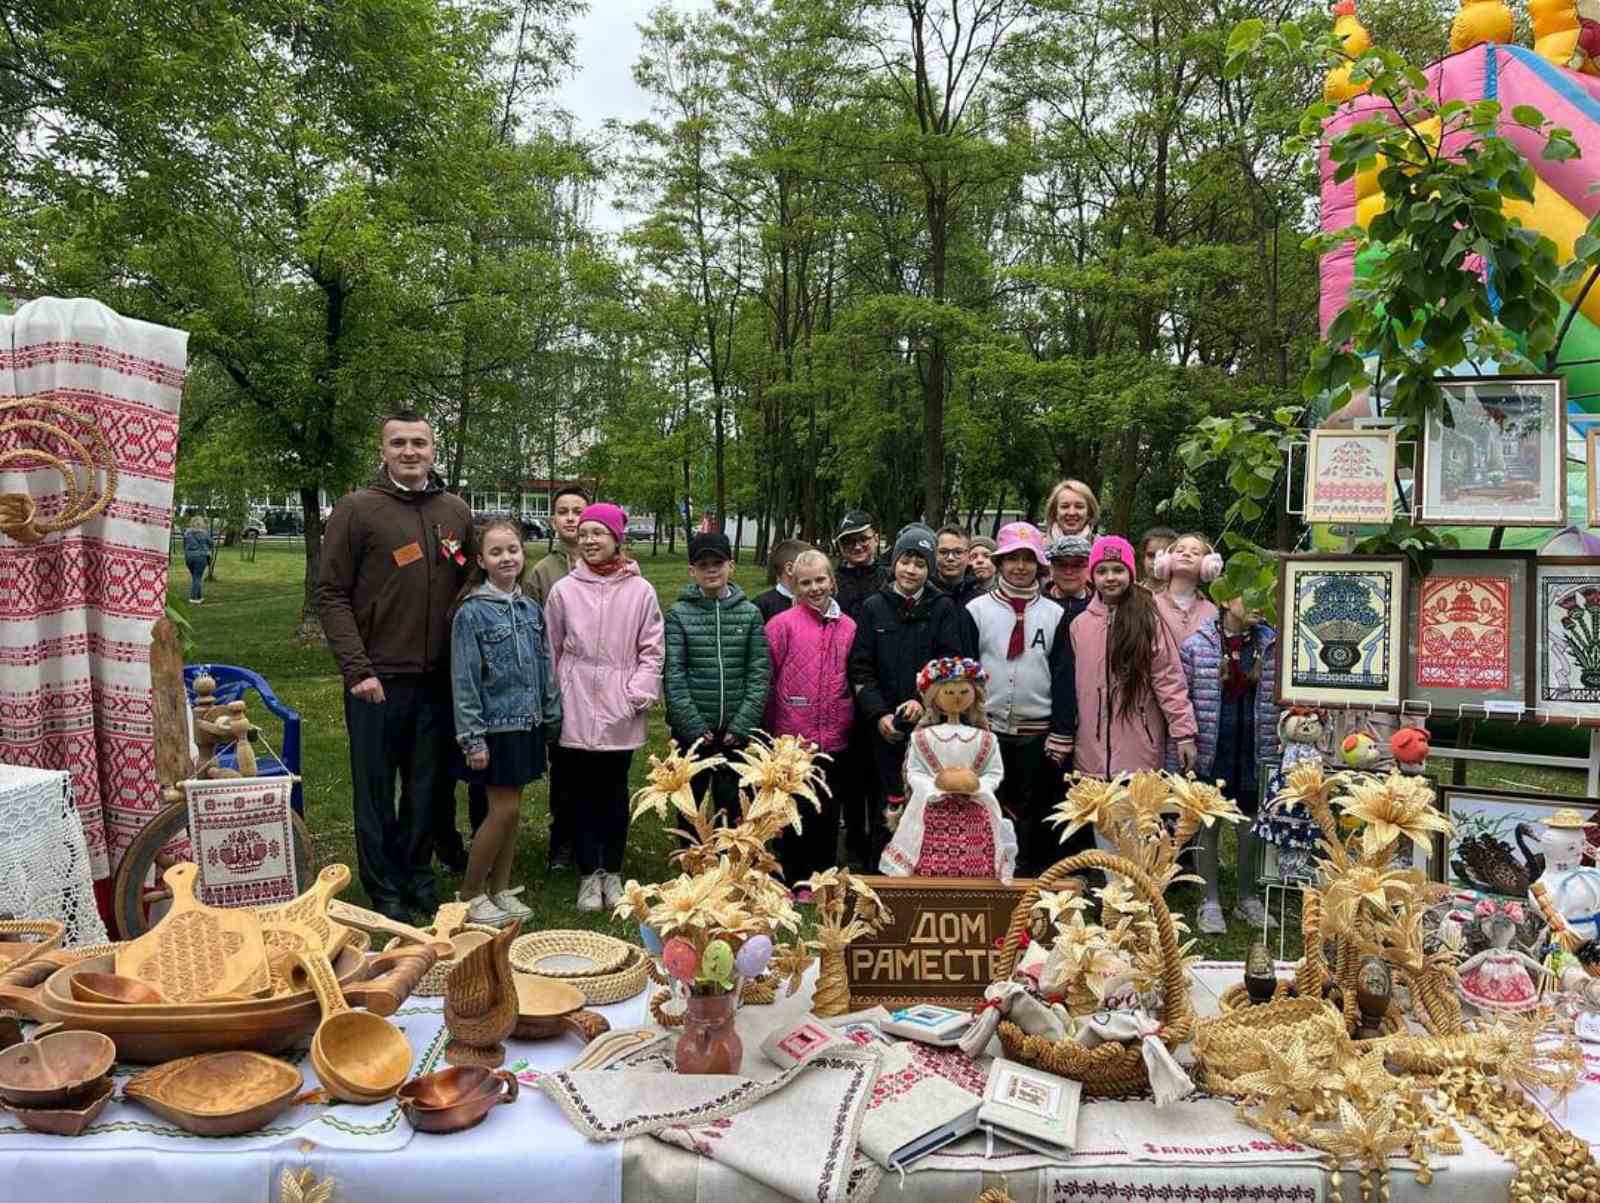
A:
{"x": 409, "y": 554}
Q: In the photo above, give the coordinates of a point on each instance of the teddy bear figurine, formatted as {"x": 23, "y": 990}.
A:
{"x": 1291, "y": 837}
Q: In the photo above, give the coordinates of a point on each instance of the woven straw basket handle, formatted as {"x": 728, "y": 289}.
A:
{"x": 1178, "y": 1021}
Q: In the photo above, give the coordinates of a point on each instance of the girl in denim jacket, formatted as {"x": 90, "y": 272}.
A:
{"x": 504, "y": 702}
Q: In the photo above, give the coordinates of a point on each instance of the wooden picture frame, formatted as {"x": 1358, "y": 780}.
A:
{"x": 1591, "y": 441}
{"x": 941, "y": 943}
{"x": 1567, "y": 626}
{"x": 1342, "y": 641}
{"x": 1453, "y": 658}
{"x": 1350, "y": 476}
{"x": 1490, "y": 466}
{"x": 1493, "y": 814}
{"x": 1272, "y": 859}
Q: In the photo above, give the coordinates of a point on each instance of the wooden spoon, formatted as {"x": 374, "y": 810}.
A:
{"x": 360, "y": 1057}
{"x": 375, "y": 924}
{"x": 111, "y": 988}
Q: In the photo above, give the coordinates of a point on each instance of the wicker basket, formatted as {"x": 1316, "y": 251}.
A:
{"x": 625, "y": 983}
{"x": 569, "y": 955}
{"x": 1110, "y": 1070}
{"x": 1225, "y": 1047}
{"x": 433, "y": 982}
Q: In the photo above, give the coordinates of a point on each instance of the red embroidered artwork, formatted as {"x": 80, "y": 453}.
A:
{"x": 1350, "y": 479}
{"x": 957, "y": 840}
{"x": 1463, "y": 633}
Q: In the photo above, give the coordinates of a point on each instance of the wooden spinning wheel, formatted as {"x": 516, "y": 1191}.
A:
{"x": 60, "y": 437}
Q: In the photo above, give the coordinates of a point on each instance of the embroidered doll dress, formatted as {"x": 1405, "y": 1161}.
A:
{"x": 952, "y": 835}
{"x": 1500, "y": 982}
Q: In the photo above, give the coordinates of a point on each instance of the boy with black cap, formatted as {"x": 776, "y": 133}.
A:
{"x": 900, "y": 628}
{"x": 858, "y": 575}
{"x": 717, "y": 665}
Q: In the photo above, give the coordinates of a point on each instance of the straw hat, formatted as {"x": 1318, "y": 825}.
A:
{"x": 1567, "y": 817}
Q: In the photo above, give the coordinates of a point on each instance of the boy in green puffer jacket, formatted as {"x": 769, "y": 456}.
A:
{"x": 717, "y": 668}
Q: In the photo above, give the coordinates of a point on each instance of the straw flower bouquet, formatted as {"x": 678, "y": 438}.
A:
{"x": 714, "y": 926}
{"x": 1362, "y": 907}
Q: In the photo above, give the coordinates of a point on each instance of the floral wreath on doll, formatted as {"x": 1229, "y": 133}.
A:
{"x": 951, "y": 668}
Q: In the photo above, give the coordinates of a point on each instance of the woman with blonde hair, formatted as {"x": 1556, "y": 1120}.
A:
{"x": 1072, "y": 509}
{"x": 197, "y": 549}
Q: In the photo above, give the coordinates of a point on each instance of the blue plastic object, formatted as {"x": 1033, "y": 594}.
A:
{"x": 233, "y": 683}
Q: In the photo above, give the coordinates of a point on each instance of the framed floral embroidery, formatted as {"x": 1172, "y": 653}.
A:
{"x": 1568, "y": 601}
{"x": 1350, "y": 476}
{"x": 1496, "y": 456}
{"x": 1469, "y": 642}
{"x": 1344, "y": 631}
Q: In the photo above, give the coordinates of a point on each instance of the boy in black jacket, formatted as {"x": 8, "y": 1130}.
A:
{"x": 898, "y": 630}
{"x": 858, "y": 576}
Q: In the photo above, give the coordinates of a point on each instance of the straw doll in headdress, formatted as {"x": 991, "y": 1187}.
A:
{"x": 952, "y": 825}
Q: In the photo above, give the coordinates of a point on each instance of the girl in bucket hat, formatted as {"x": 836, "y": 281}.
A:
{"x": 952, "y": 825}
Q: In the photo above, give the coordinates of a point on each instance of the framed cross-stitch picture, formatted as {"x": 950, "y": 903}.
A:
{"x": 1344, "y": 631}
{"x": 1469, "y": 640}
{"x": 1350, "y": 476}
{"x": 1568, "y": 611}
{"x": 1500, "y": 459}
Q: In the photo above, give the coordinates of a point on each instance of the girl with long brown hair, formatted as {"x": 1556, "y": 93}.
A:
{"x": 1129, "y": 685}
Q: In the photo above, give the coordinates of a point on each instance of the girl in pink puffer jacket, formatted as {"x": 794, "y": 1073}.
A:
{"x": 810, "y": 697}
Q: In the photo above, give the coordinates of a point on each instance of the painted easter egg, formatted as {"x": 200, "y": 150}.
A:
{"x": 717, "y": 964}
{"x": 680, "y": 958}
{"x": 651, "y": 941}
{"x": 753, "y": 957}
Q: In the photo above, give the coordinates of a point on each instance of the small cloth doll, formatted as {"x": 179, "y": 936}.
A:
{"x": 1501, "y": 978}
{"x": 952, "y": 825}
{"x": 1293, "y": 834}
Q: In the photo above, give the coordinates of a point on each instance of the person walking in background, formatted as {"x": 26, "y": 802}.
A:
{"x": 505, "y": 702}
{"x": 1130, "y": 692}
{"x": 394, "y": 555}
{"x": 717, "y": 667}
{"x": 1071, "y": 509}
{"x": 900, "y": 628}
{"x": 1024, "y": 646}
{"x": 858, "y": 577}
{"x": 810, "y": 697}
{"x": 1154, "y": 541}
{"x": 780, "y": 575}
{"x": 980, "y": 558}
{"x": 1184, "y": 567}
{"x": 197, "y": 550}
{"x": 566, "y": 507}
{"x": 1231, "y": 667}
{"x": 1069, "y": 573}
{"x": 607, "y": 645}
{"x": 954, "y": 575}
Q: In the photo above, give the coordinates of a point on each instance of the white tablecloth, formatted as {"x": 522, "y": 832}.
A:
{"x": 44, "y": 858}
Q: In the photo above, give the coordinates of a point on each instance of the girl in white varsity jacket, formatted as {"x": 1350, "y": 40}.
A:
{"x": 1023, "y": 644}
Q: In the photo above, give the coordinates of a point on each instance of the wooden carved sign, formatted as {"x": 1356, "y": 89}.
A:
{"x": 941, "y": 943}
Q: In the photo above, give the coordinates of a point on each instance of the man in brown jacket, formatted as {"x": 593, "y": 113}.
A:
{"x": 393, "y": 557}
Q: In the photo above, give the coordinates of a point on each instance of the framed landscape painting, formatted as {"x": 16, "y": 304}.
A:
{"x": 1494, "y": 832}
{"x": 1344, "y": 631}
{"x": 1500, "y": 459}
{"x": 1591, "y": 442}
{"x": 1350, "y": 476}
{"x": 1469, "y": 642}
{"x": 1568, "y": 605}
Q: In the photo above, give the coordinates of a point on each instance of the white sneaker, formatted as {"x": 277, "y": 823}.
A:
{"x": 1210, "y": 920}
{"x": 507, "y": 901}
{"x": 1255, "y": 914}
{"x": 612, "y": 889}
{"x": 591, "y": 892}
{"x": 486, "y": 911}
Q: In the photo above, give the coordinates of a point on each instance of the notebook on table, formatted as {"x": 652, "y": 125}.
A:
{"x": 1031, "y": 1108}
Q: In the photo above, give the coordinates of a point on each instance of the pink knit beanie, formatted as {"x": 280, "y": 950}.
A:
{"x": 613, "y": 517}
{"x": 1113, "y": 548}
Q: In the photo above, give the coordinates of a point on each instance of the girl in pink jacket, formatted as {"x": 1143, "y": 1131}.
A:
{"x": 810, "y": 697}
{"x": 1130, "y": 688}
{"x": 608, "y": 647}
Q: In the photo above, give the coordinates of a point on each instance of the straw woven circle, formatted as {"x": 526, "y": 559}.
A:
{"x": 626, "y": 982}
{"x": 568, "y": 955}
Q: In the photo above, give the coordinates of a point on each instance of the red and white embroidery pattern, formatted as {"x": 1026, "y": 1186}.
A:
{"x": 951, "y": 1064}
{"x": 957, "y": 840}
{"x": 1464, "y": 633}
{"x": 1349, "y": 479}
{"x": 74, "y": 643}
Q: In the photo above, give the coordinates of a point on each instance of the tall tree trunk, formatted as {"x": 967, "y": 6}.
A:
{"x": 311, "y": 513}
{"x": 999, "y": 505}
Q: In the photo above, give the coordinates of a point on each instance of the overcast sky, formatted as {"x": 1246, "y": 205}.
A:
{"x": 608, "y": 44}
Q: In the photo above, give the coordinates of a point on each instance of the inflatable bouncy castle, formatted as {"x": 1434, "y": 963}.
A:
{"x": 1560, "y": 79}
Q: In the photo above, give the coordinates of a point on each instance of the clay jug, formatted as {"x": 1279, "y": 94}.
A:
{"x": 709, "y": 1044}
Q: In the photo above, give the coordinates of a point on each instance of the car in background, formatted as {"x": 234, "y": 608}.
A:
{"x": 535, "y": 528}
{"x": 639, "y": 532}
{"x": 274, "y": 522}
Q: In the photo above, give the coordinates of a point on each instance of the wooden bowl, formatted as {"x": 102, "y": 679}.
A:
{"x": 366, "y": 1052}
{"x": 218, "y": 1094}
{"x": 546, "y": 1007}
{"x": 58, "y": 1069}
{"x": 464, "y": 942}
{"x": 453, "y": 1100}
{"x": 67, "y": 1121}
{"x": 111, "y": 989}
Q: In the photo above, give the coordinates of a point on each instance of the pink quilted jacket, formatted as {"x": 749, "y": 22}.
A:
{"x": 810, "y": 695}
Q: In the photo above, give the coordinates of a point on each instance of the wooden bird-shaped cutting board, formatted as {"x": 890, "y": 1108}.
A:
{"x": 308, "y": 911}
{"x": 197, "y": 951}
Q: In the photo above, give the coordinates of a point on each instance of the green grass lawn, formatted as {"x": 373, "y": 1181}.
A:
{"x": 248, "y": 619}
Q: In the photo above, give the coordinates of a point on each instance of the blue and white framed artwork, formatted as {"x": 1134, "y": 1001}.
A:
{"x": 1344, "y": 641}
